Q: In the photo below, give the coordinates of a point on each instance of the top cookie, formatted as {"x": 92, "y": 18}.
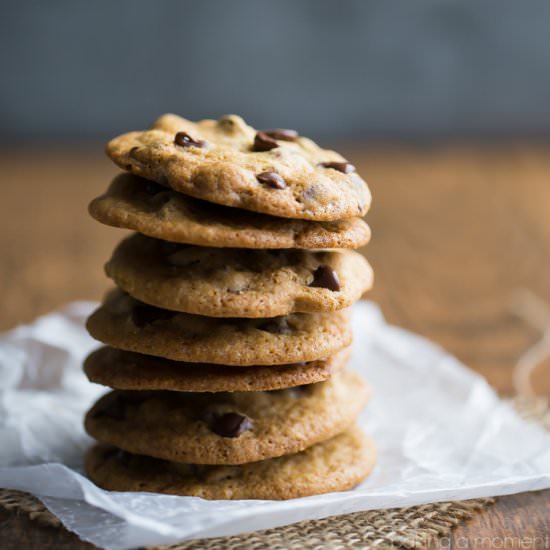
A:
{"x": 228, "y": 162}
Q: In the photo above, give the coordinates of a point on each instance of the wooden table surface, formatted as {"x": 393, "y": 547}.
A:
{"x": 459, "y": 233}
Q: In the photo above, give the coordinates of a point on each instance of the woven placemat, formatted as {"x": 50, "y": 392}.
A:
{"x": 408, "y": 528}
{"x": 412, "y": 527}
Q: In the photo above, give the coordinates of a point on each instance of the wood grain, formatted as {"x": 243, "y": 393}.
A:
{"x": 457, "y": 231}
{"x": 515, "y": 522}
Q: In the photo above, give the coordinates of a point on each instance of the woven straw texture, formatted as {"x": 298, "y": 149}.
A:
{"x": 408, "y": 528}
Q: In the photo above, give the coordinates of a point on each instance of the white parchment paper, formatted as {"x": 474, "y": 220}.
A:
{"x": 442, "y": 434}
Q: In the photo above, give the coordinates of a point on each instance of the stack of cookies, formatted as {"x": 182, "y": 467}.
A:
{"x": 228, "y": 332}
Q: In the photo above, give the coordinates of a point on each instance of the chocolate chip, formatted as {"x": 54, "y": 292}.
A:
{"x": 113, "y": 407}
{"x": 183, "y": 139}
{"x": 278, "y": 325}
{"x": 262, "y": 142}
{"x": 344, "y": 167}
{"x": 283, "y": 134}
{"x": 271, "y": 179}
{"x": 231, "y": 424}
{"x": 144, "y": 314}
{"x": 325, "y": 277}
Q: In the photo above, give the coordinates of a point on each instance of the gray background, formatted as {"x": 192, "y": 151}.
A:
{"x": 76, "y": 70}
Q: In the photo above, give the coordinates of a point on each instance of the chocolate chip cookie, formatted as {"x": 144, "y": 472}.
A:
{"x": 227, "y": 428}
{"x": 125, "y": 370}
{"x": 157, "y": 211}
{"x": 229, "y": 330}
{"x": 231, "y": 282}
{"x": 334, "y": 465}
{"x": 274, "y": 171}
{"x": 125, "y": 323}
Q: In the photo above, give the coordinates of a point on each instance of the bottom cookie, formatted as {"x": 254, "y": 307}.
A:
{"x": 334, "y": 465}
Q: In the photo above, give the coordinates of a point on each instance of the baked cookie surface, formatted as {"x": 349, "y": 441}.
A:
{"x": 232, "y": 282}
{"x": 125, "y": 370}
{"x": 334, "y": 465}
{"x": 227, "y": 428}
{"x": 144, "y": 206}
{"x": 126, "y": 323}
{"x": 228, "y": 162}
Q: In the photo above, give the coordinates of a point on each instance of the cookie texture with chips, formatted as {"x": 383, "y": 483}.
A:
{"x": 157, "y": 211}
{"x": 337, "y": 464}
{"x": 224, "y": 427}
{"x": 228, "y": 162}
{"x": 125, "y": 370}
{"x": 220, "y": 282}
{"x": 126, "y": 323}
